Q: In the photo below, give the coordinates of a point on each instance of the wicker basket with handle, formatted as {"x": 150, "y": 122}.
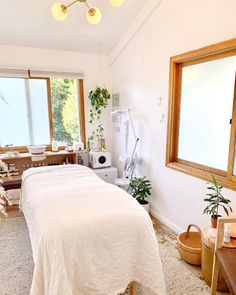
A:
{"x": 189, "y": 245}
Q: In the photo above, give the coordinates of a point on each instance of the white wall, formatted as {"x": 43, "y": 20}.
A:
{"x": 139, "y": 66}
{"x": 92, "y": 66}
{"x": 139, "y": 71}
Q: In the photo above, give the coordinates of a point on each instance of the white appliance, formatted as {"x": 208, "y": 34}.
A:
{"x": 107, "y": 174}
{"x": 99, "y": 159}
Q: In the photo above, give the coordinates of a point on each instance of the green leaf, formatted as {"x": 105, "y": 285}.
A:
{"x": 226, "y": 211}
{"x": 99, "y": 100}
{"x": 216, "y": 199}
{"x": 139, "y": 188}
{"x": 211, "y": 188}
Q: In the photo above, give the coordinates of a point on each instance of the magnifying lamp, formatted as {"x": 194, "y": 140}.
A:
{"x": 129, "y": 161}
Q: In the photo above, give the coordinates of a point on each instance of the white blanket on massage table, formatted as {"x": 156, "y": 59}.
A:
{"x": 88, "y": 237}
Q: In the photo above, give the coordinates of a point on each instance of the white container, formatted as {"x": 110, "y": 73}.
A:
{"x": 227, "y": 230}
{"x": 36, "y": 149}
{"x": 55, "y": 145}
{"x": 78, "y": 146}
{"x": 107, "y": 174}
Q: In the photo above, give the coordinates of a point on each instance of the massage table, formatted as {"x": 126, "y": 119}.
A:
{"x": 88, "y": 237}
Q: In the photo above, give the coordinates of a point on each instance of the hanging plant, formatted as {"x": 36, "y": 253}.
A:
{"x": 99, "y": 100}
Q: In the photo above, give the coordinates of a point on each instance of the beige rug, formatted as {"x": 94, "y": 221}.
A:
{"x": 16, "y": 264}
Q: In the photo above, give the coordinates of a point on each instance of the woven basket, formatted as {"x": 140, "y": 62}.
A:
{"x": 189, "y": 245}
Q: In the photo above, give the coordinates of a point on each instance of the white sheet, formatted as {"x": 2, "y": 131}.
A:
{"x": 88, "y": 237}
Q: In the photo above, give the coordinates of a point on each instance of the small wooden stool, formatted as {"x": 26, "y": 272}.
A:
{"x": 208, "y": 247}
{"x": 224, "y": 259}
{"x": 227, "y": 264}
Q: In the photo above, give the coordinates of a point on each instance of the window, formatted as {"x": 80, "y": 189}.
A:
{"x": 202, "y": 113}
{"x": 24, "y": 112}
{"x": 65, "y": 110}
{"x": 35, "y": 110}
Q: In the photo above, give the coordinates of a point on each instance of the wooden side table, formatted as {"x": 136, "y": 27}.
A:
{"x": 11, "y": 182}
{"x": 208, "y": 247}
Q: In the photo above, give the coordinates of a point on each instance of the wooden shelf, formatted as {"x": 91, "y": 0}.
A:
{"x": 28, "y": 155}
{"x": 24, "y": 161}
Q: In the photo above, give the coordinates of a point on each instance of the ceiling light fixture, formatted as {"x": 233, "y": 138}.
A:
{"x": 116, "y": 3}
{"x": 94, "y": 16}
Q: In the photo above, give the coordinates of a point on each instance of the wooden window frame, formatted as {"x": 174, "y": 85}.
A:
{"x": 80, "y": 83}
{"x": 209, "y": 53}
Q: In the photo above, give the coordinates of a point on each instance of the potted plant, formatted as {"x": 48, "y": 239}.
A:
{"x": 140, "y": 189}
{"x": 215, "y": 201}
{"x": 99, "y": 100}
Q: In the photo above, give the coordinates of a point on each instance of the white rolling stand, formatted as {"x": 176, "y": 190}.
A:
{"x": 107, "y": 174}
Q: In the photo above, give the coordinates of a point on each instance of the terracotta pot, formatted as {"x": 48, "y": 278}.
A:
{"x": 214, "y": 220}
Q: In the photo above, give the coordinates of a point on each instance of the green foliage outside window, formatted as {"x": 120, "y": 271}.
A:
{"x": 65, "y": 112}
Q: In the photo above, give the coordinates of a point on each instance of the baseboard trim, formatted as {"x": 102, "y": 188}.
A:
{"x": 176, "y": 229}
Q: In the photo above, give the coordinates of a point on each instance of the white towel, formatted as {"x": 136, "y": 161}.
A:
{"x": 36, "y": 158}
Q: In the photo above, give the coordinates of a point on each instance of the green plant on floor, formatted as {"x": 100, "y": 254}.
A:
{"x": 99, "y": 101}
{"x": 140, "y": 189}
{"x": 216, "y": 200}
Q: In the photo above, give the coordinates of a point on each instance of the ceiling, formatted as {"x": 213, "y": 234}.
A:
{"x": 29, "y": 23}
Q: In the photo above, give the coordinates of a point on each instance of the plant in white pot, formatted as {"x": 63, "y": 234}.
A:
{"x": 140, "y": 189}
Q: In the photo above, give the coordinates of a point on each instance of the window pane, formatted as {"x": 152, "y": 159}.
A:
{"x": 39, "y": 111}
{"x": 234, "y": 166}
{"x": 65, "y": 110}
{"x": 13, "y": 112}
{"x": 23, "y": 111}
{"x": 206, "y": 109}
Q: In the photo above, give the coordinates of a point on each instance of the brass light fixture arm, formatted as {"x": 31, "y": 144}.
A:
{"x": 72, "y": 3}
{"x": 86, "y": 4}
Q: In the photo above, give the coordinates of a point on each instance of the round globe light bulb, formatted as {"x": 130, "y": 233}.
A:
{"x": 116, "y": 3}
{"x": 94, "y": 15}
{"x": 59, "y": 11}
